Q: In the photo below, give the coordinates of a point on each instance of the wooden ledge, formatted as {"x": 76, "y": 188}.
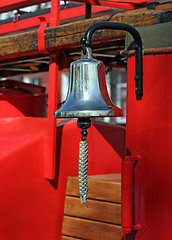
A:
{"x": 148, "y": 51}
{"x": 61, "y": 37}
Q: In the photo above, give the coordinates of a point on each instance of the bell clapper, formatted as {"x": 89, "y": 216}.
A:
{"x": 83, "y": 123}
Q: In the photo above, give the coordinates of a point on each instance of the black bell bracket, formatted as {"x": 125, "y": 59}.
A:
{"x": 86, "y": 41}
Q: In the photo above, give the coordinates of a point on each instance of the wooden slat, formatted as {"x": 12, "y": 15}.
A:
{"x": 90, "y": 230}
{"x": 70, "y": 238}
{"x": 111, "y": 177}
{"x": 93, "y": 210}
{"x": 97, "y": 189}
{"x": 70, "y": 34}
{"x": 149, "y": 51}
{"x": 164, "y": 7}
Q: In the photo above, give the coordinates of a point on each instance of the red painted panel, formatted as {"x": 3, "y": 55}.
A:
{"x": 168, "y": 151}
{"x": 34, "y": 105}
{"x": 21, "y": 99}
{"x": 31, "y": 207}
{"x": 149, "y": 134}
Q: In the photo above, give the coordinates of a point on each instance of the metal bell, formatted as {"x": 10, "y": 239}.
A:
{"x": 87, "y": 94}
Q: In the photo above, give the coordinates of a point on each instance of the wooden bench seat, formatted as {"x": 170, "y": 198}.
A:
{"x": 100, "y": 217}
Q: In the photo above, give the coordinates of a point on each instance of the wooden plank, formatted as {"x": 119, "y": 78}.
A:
{"x": 70, "y": 34}
{"x": 148, "y": 51}
{"x": 70, "y": 238}
{"x": 93, "y": 210}
{"x": 97, "y": 189}
{"x": 90, "y": 230}
{"x": 164, "y": 7}
{"x": 74, "y": 31}
{"x": 111, "y": 177}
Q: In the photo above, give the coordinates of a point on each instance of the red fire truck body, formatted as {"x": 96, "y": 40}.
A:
{"x": 38, "y": 153}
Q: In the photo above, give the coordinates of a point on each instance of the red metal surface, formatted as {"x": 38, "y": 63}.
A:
{"x": 22, "y": 24}
{"x": 149, "y": 134}
{"x": 79, "y": 11}
{"x": 32, "y": 207}
{"x": 15, "y": 105}
{"x": 22, "y": 99}
{"x": 52, "y": 98}
{"x": 10, "y": 5}
{"x": 55, "y": 13}
{"x": 51, "y": 127}
{"x": 113, "y": 4}
{"x": 12, "y": 85}
{"x": 127, "y": 194}
{"x": 41, "y": 37}
{"x": 35, "y": 21}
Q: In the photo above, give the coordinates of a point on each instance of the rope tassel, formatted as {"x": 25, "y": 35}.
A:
{"x": 82, "y": 170}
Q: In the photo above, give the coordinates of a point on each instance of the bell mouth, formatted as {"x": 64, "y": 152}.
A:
{"x": 89, "y": 113}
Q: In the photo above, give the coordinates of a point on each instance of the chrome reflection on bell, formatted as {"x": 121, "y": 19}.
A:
{"x": 87, "y": 94}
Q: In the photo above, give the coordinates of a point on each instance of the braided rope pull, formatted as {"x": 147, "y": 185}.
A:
{"x": 82, "y": 170}
{"x": 84, "y": 124}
